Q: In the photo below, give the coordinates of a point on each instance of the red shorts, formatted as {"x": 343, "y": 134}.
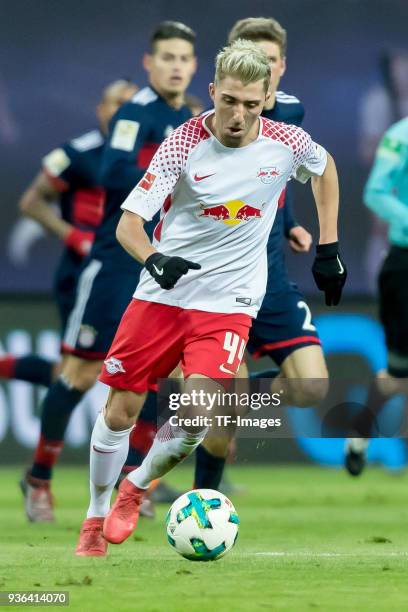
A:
{"x": 152, "y": 339}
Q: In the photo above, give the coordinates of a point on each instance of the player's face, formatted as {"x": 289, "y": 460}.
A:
{"x": 171, "y": 66}
{"x": 237, "y": 109}
{"x": 114, "y": 98}
{"x": 276, "y": 61}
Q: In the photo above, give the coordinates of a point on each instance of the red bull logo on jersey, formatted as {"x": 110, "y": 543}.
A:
{"x": 231, "y": 213}
{"x": 268, "y": 174}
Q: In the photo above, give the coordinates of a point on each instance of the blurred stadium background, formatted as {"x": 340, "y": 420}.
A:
{"x": 346, "y": 62}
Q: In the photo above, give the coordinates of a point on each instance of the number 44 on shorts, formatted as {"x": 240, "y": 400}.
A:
{"x": 235, "y": 346}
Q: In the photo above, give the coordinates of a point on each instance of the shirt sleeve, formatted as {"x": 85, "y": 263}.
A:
{"x": 59, "y": 166}
{"x": 381, "y": 193}
{"x": 161, "y": 177}
{"x": 310, "y": 158}
{"x": 129, "y": 129}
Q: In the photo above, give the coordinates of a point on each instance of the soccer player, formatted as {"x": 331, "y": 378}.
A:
{"x": 69, "y": 177}
{"x": 386, "y": 194}
{"x": 197, "y": 294}
{"x": 283, "y": 329}
{"x": 109, "y": 274}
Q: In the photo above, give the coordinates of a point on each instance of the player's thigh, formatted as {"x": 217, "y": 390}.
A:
{"x": 147, "y": 346}
{"x": 304, "y": 376}
{"x": 122, "y": 408}
{"x": 81, "y": 373}
{"x": 284, "y": 324}
{"x": 305, "y": 362}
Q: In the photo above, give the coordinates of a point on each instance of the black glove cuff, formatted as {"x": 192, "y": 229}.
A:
{"x": 327, "y": 250}
{"x": 154, "y": 257}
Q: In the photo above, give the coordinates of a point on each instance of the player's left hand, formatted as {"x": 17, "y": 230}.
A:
{"x": 329, "y": 272}
{"x": 300, "y": 240}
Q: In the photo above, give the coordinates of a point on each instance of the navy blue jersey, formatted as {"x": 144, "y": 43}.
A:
{"x": 73, "y": 169}
{"x": 287, "y": 109}
{"x": 136, "y": 132}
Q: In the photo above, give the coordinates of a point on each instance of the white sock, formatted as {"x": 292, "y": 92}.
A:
{"x": 171, "y": 445}
{"x": 109, "y": 450}
{"x": 357, "y": 445}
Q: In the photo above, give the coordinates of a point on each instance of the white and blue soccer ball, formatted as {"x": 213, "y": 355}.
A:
{"x": 202, "y": 525}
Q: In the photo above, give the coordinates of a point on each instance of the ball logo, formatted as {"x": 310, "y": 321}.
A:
{"x": 268, "y": 174}
{"x": 114, "y": 366}
{"x": 231, "y": 213}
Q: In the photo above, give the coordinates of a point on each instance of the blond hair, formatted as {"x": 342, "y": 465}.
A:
{"x": 245, "y": 61}
{"x": 259, "y": 28}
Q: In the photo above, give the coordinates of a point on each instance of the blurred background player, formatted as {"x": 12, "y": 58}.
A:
{"x": 283, "y": 328}
{"x": 382, "y": 105}
{"x": 69, "y": 177}
{"x": 386, "y": 194}
{"x": 109, "y": 275}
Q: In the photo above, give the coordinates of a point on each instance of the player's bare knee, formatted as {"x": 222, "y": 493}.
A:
{"x": 122, "y": 408}
{"x": 389, "y": 385}
{"x": 308, "y": 392}
{"x": 217, "y": 446}
{"x": 80, "y": 373}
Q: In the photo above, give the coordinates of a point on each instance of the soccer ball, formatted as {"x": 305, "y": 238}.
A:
{"x": 202, "y": 525}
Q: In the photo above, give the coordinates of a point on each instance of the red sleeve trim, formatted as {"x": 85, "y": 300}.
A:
{"x": 58, "y": 183}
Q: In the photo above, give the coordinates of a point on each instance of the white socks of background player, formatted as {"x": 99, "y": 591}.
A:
{"x": 357, "y": 445}
{"x": 109, "y": 450}
{"x": 171, "y": 445}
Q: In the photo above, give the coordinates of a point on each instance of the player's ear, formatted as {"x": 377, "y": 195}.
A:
{"x": 147, "y": 62}
{"x": 211, "y": 91}
{"x": 283, "y": 67}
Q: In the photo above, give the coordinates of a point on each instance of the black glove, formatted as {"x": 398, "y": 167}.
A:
{"x": 168, "y": 270}
{"x": 329, "y": 272}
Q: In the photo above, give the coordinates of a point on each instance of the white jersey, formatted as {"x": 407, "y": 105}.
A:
{"x": 218, "y": 206}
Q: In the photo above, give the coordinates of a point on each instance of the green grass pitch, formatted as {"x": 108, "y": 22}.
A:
{"x": 309, "y": 539}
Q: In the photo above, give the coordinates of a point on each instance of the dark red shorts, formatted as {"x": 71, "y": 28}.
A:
{"x": 152, "y": 339}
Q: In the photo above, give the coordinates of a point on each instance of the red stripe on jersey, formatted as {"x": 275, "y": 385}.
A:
{"x": 263, "y": 350}
{"x": 88, "y": 206}
{"x": 165, "y": 209}
{"x": 144, "y": 156}
{"x": 282, "y": 197}
{"x": 58, "y": 183}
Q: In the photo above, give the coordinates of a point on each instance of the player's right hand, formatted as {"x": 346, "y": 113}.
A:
{"x": 79, "y": 241}
{"x": 329, "y": 272}
{"x": 166, "y": 271}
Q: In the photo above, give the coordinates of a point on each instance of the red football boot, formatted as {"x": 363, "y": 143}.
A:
{"x": 121, "y": 521}
{"x": 91, "y": 541}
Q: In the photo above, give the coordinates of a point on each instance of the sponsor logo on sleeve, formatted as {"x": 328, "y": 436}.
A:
{"x": 56, "y": 162}
{"x": 124, "y": 135}
{"x": 146, "y": 183}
